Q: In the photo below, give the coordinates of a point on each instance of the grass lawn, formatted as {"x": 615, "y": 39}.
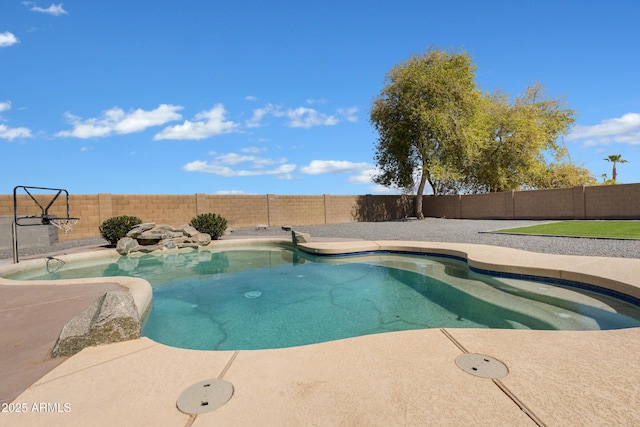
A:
{"x": 616, "y": 229}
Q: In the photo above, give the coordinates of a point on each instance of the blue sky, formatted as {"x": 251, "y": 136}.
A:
{"x": 249, "y": 97}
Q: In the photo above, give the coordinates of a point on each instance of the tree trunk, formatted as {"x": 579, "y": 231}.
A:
{"x": 614, "y": 172}
{"x": 418, "y": 202}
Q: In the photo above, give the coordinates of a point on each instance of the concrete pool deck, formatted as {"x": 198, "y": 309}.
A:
{"x": 400, "y": 378}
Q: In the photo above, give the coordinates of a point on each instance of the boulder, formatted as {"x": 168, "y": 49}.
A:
{"x": 202, "y": 239}
{"x": 188, "y": 230}
{"x": 113, "y": 317}
{"x": 150, "y": 237}
{"x": 298, "y": 237}
{"x": 140, "y": 228}
{"x": 126, "y": 245}
{"x": 153, "y": 236}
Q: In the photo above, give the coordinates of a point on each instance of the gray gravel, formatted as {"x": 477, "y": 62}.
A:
{"x": 464, "y": 231}
{"x": 430, "y": 229}
{"x": 24, "y": 253}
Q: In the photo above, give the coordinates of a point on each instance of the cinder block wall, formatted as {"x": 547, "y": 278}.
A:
{"x": 620, "y": 201}
{"x": 240, "y": 211}
{"x": 486, "y": 206}
{"x": 545, "y": 204}
{"x": 612, "y": 201}
{"x": 343, "y": 208}
{"x": 296, "y": 210}
{"x": 600, "y": 202}
{"x": 32, "y": 234}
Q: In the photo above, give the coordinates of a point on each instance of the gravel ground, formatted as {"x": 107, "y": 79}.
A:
{"x": 24, "y": 253}
{"x": 430, "y": 229}
{"x": 465, "y": 231}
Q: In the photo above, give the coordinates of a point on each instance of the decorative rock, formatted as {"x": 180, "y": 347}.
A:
{"x": 298, "y": 237}
{"x": 148, "y": 248}
{"x": 153, "y": 236}
{"x": 149, "y": 237}
{"x": 203, "y": 239}
{"x": 113, "y": 317}
{"x": 140, "y": 228}
{"x": 126, "y": 245}
{"x": 188, "y": 230}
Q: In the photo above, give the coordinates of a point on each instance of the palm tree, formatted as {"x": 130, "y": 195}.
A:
{"x": 615, "y": 158}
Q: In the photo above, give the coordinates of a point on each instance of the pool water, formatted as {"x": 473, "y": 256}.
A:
{"x": 271, "y": 297}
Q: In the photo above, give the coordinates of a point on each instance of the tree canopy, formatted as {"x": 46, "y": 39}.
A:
{"x": 435, "y": 126}
{"x": 423, "y": 117}
{"x": 518, "y": 138}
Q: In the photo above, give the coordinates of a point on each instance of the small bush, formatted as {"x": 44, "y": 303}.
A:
{"x": 117, "y": 227}
{"x": 210, "y": 223}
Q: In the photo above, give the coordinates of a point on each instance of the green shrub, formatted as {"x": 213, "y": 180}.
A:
{"x": 210, "y": 223}
{"x": 117, "y": 227}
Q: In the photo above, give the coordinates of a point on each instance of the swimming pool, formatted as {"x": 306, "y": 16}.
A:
{"x": 274, "y": 296}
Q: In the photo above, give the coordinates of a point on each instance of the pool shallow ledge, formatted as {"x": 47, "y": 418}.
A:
{"x": 619, "y": 275}
{"x": 140, "y": 289}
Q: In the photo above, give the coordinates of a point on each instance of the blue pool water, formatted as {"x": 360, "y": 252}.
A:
{"x": 270, "y": 297}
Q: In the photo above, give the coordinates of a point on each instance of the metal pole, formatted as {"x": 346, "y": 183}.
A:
{"x": 14, "y": 234}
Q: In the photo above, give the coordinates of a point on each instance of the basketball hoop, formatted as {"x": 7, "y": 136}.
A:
{"x": 64, "y": 224}
{"x": 25, "y": 216}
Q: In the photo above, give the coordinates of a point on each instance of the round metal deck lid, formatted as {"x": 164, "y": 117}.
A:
{"x": 205, "y": 396}
{"x": 481, "y": 365}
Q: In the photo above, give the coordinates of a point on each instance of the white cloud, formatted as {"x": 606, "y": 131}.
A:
{"x": 311, "y": 101}
{"x": 349, "y": 114}
{"x": 231, "y": 192}
{"x": 380, "y": 189}
{"x": 54, "y": 9}
{"x": 364, "y": 177}
{"x": 254, "y": 150}
{"x": 8, "y": 39}
{"x": 303, "y": 117}
{"x": 221, "y": 163}
{"x": 5, "y": 106}
{"x": 13, "y": 133}
{"x": 251, "y": 98}
{"x": 117, "y": 121}
{"x": 139, "y": 120}
{"x": 207, "y": 124}
{"x": 625, "y": 129}
{"x": 259, "y": 114}
{"x": 333, "y": 166}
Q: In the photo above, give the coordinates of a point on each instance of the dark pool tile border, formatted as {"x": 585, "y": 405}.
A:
{"x": 502, "y": 274}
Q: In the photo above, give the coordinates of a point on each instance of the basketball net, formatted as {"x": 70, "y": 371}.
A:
{"x": 64, "y": 224}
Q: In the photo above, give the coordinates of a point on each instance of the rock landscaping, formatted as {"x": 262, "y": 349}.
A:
{"x": 149, "y": 237}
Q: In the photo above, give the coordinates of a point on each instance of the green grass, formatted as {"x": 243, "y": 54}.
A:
{"x": 615, "y": 229}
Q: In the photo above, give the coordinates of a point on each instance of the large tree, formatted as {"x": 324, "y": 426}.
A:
{"x": 519, "y": 138}
{"x": 425, "y": 118}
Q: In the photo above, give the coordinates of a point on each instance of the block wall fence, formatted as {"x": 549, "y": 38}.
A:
{"x": 600, "y": 202}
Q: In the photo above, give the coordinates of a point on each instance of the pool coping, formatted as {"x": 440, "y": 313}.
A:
{"x": 302, "y": 385}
